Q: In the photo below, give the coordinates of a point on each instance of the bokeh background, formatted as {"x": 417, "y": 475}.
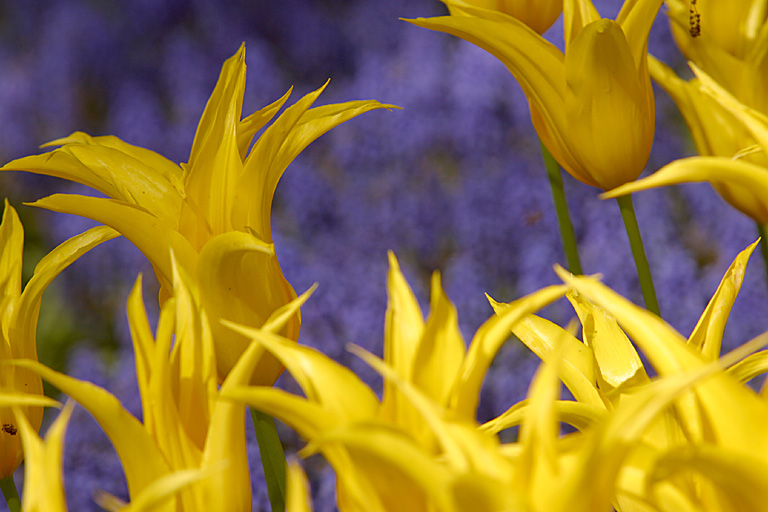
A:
{"x": 453, "y": 182}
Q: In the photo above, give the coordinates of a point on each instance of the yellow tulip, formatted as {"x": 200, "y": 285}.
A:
{"x": 592, "y": 107}
{"x": 539, "y": 15}
{"x": 213, "y": 212}
{"x": 730, "y": 45}
{"x": 19, "y": 312}
{"x": 742, "y": 183}
{"x": 428, "y": 407}
{"x": 191, "y": 443}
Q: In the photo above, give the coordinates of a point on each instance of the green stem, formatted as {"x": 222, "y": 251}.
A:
{"x": 561, "y": 208}
{"x": 8, "y": 487}
{"x": 272, "y": 458}
{"x": 638, "y": 252}
{"x": 762, "y": 230}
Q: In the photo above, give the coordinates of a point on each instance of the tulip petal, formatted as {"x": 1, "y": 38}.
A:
{"x": 577, "y": 370}
{"x": 486, "y": 343}
{"x": 636, "y": 18}
{"x": 441, "y": 351}
{"x": 43, "y": 479}
{"x": 148, "y": 233}
{"x": 11, "y": 257}
{"x": 577, "y": 14}
{"x": 707, "y": 336}
{"x": 10, "y": 398}
{"x": 742, "y": 184}
{"x": 116, "y": 169}
{"x": 248, "y": 127}
{"x": 738, "y": 479}
{"x": 607, "y": 106}
{"x": 403, "y": 330}
{"x": 323, "y": 380}
{"x": 306, "y": 417}
{"x": 53, "y": 263}
{"x": 386, "y": 468}
{"x": 537, "y": 65}
{"x": 139, "y": 455}
{"x": 241, "y": 281}
{"x": 578, "y": 414}
{"x": 724, "y": 411}
{"x": 297, "y": 498}
{"x": 616, "y": 358}
{"x": 210, "y": 177}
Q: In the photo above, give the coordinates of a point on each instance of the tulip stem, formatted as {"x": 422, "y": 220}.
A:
{"x": 561, "y": 208}
{"x": 272, "y": 458}
{"x": 8, "y": 487}
{"x": 638, "y": 252}
{"x": 762, "y": 231}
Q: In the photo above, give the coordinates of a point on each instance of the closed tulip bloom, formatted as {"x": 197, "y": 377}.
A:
{"x": 592, "y": 106}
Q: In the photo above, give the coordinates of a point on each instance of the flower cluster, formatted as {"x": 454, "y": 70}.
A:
{"x": 654, "y": 420}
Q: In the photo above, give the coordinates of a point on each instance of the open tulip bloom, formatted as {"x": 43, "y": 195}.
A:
{"x": 213, "y": 212}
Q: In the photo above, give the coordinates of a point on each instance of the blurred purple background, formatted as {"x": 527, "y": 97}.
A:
{"x": 453, "y": 182}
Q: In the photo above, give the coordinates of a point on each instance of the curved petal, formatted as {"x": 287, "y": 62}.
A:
{"x": 724, "y": 411}
{"x": 715, "y": 130}
{"x": 486, "y": 343}
{"x": 403, "y": 327}
{"x": 441, "y": 350}
{"x": 43, "y": 479}
{"x": 707, "y": 336}
{"x": 118, "y": 170}
{"x": 578, "y": 414}
{"x": 293, "y": 131}
{"x": 297, "y": 497}
{"x": 386, "y": 468}
{"x": 616, "y": 358}
{"x": 341, "y": 393}
{"x": 141, "y": 460}
{"x": 538, "y": 15}
{"x": 636, "y": 18}
{"x": 309, "y": 419}
{"x": 737, "y": 479}
{"x": 24, "y": 326}
{"x": 241, "y": 281}
{"x": 149, "y": 234}
{"x": 577, "y": 14}
{"x": 537, "y": 65}
{"x": 11, "y": 258}
{"x": 742, "y": 184}
{"x": 210, "y": 177}
{"x": 577, "y": 370}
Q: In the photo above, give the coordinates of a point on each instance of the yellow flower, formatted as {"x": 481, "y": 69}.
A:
{"x": 610, "y": 384}
{"x": 387, "y": 453}
{"x": 43, "y": 478}
{"x": 593, "y": 106}
{"x": 539, "y": 15}
{"x": 742, "y": 183}
{"x": 213, "y": 211}
{"x": 730, "y": 46}
{"x": 191, "y": 443}
{"x": 19, "y": 311}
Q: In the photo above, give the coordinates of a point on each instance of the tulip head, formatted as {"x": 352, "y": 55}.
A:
{"x": 593, "y": 106}
{"x": 609, "y": 108}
